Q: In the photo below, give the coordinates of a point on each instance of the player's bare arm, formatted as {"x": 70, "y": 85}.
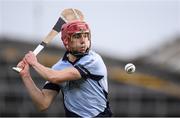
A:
{"x": 54, "y": 76}
{"x": 42, "y": 99}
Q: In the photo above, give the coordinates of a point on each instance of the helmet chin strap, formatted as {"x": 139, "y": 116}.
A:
{"x": 79, "y": 54}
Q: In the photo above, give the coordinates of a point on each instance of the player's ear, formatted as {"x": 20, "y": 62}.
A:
{"x": 66, "y": 41}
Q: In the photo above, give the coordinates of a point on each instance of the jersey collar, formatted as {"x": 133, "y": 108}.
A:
{"x": 65, "y": 58}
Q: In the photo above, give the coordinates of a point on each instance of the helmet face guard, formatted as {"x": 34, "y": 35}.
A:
{"x": 69, "y": 29}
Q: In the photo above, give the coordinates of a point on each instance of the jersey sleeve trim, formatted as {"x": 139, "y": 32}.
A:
{"x": 86, "y": 74}
{"x": 52, "y": 86}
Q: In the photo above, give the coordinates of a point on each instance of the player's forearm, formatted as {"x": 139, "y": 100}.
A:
{"x": 35, "y": 93}
{"x": 57, "y": 76}
{"x": 45, "y": 72}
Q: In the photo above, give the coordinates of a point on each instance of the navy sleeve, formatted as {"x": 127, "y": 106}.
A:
{"x": 86, "y": 74}
{"x": 52, "y": 86}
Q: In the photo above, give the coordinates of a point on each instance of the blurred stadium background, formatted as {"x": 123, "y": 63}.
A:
{"x": 154, "y": 90}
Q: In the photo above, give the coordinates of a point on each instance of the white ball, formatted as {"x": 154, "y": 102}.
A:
{"x": 130, "y": 68}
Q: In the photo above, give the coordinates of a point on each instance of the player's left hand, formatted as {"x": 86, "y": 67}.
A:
{"x": 25, "y": 69}
{"x": 31, "y": 58}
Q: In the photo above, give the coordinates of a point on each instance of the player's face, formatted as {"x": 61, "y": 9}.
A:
{"x": 79, "y": 42}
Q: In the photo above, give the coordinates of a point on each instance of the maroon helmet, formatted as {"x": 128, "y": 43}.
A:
{"x": 71, "y": 28}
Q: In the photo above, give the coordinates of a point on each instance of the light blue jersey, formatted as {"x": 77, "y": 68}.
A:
{"x": 86, "y": 97}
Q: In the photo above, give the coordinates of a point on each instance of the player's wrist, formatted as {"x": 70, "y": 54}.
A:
{"x": 25, "y": 75}
{"x": 35, "y": 64}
